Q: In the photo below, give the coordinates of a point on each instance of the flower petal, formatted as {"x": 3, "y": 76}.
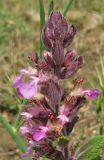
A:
{"x": 91, "y": 93}
{"x": 63, "y": 119}
{"x": 39, "y": 135}
{"x": 28, "y": 152}
{"x": 26, "y": 115}
{"x": 28, "y": 90}
{"x": 17, "y": 81}
{"x": 24, "y": 130}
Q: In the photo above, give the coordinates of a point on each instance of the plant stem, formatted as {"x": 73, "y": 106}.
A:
{"x": 42, "y": 22}
{"x": 66, "y": 7}
{"x": 66, "y": 150}
{"x": 18, "y": 119}
{"x": 12, "y": 131}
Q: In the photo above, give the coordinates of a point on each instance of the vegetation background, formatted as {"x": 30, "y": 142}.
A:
{"x": 19, "y": 36}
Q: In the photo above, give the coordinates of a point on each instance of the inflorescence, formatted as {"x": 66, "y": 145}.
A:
{"x": 51, "y": 112}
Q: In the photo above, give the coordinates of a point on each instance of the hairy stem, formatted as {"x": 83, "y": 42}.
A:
{"x": 12, "y": 131}
{"x": 66, "y": 149}
{"x": 18, "y": 119}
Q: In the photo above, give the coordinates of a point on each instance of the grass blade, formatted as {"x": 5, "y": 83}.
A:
{"x": 51, "y": 7}
{"x": 102, "y": 67}
{"x": 67, "y": 7}
{"x": 42, "y": 22}
{"x": 99, "y": 77}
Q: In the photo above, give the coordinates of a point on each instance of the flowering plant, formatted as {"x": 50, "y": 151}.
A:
{"x": 51, "y": 112}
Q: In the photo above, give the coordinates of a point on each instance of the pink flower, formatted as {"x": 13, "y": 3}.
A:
{"x": 29, "y": 150}
{"x": 37, "y": 111}
{"x": 26, "y": 83}
{"x": 91, "y": 93}
{"x": 53, "y": 115}
{"x": 63, "y": 119}
{"x": 24, "y": 129}
{"x": 41, "y": 133}
{"x": 28, "y": 128}
{"x": 28, "y": 153}
{"x": 27, "y": 115}
{"x": 71, "y": 107}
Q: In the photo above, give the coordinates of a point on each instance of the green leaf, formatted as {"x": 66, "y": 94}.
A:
{"x": 92, "y": 150}
{"x": 51, "y": 7}
{"x": 67, "y": 7}
{"x": 98, "y": 105}
{"x": 61, "y": 142}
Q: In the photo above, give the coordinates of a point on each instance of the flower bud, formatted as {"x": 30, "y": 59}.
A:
{"x": 69, "y": 36}
{"x": 56, "y": 36}
{"x": 52, "y": 91}
{"x": 71, "y": 63}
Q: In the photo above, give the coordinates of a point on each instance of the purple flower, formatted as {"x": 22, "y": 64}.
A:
{"x": 24, "y": 130}
{"x": 28, "y": 128}
{"x": 27, "y": 115}
{"x": 26, "y": 83}
{"x": 71, "y": 107}
{"x": 28, "y": 152}
{"x": 63, "y": 119}
{"x": 41, "y": 133}
{"x": 91, "y": 93}
{"x": 52, "y": 115}
{"x": 38, "y": 110}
